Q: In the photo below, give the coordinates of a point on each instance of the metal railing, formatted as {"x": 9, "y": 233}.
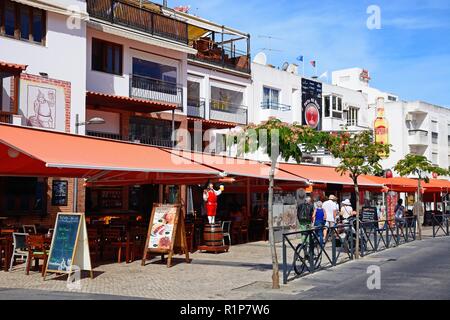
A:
{"x": 308, "y": 254}
{"x": 196, "y": 108}
{"x": 239, "y": 62}
{"x": 275, "y": 106}
{"x": 136, "y": 139}
{"x": 156, "y": 90}
{"x": 6, "y": 117}
{"x": 228, "y": 112}
{"x": 440, "y": 223}
{"x": 132, "y": 16}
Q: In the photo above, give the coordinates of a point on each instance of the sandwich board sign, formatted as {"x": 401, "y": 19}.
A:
{"x": 70, "y": 246}
{"x": 166, "y": 231}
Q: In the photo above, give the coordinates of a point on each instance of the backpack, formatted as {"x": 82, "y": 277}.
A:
{"x": 399, "y": 212}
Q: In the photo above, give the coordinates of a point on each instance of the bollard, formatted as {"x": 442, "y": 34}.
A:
{"x": 333, "y": 248}
{"x": 311, "y": 252}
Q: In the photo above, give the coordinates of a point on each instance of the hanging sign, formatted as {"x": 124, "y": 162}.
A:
{"x": 312, "y": 104}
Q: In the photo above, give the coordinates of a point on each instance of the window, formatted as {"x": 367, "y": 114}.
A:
{"x": 193, "y": 93}
{"x": 392, "y": 98}
{"x": 225, "y": 99}
{"x": 327, "y": 105}
{"x": 154, "y": 70}
{"x": 22, "y": 195}
{"x": 270, "y": 98}
{"x": 352, "y": 116}
{"x": 221, "y": 145}
{"x": 336, "y": 107}
{"x": 22, "y": 22}
{"x": 106, "y": 57}
{"x": 434, "y": 137}
{"x": 434, "y": 158}
{"x": 151, "y": 131}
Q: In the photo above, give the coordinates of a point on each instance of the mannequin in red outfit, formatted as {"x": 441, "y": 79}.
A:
{"x": 210, "y": 196}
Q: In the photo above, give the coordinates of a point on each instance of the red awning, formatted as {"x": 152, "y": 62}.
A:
{"x": 240, "y": 167}
{"x": 401, "y": 184}
{"x": 122, "y": 103}
{"x": 324, "y": 174}
{"x": 35, "y": 152}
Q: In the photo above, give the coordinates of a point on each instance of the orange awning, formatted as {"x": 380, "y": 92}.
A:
{"x": 402, "y": 184}
{"x": 240, "y": 167}
{"x": 35, "y": 152}
{"x": 96, "y": 99}
{"x": 12, "y": 67}
{"x": 324, "y": 174}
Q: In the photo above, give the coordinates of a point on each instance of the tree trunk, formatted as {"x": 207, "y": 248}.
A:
{"x": 273, "y": 248}
{"x": 419, "y": 198}
{"x": 355, "y": 181}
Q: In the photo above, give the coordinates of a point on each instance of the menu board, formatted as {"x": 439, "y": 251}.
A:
{"x": 64, "y": 241}
{"x": 59, "y": 192}
{"x": 162, "y": 227}
{"x": 166, "y": 232}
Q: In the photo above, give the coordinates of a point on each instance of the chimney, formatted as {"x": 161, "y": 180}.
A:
{"x": 165, "y": 3}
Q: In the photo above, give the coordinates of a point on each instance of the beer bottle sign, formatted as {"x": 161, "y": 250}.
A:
{"x": 381, "y": 127}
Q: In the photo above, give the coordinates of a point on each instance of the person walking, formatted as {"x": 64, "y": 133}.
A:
{"x": 318, "y": 221}
{"x": 331, "y": 210}
{"x": 399, "y": 214}
{"x": 346, "y": 209}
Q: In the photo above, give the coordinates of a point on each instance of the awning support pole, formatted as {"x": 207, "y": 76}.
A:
{"x": 173, "y": 128}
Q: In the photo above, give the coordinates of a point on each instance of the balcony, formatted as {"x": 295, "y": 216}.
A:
{"x": 142, "y": 140}
{"x": 6, "y": 117}
{"x": 228, "y": 112}
{"x": 156, "y": 90}
{"x": 271, "y": 105}
{"x": 196, "y": 108}
{"x": 418, "y": 138}
{"x": 223, "y": 53}
{"x": 131, "y": 15}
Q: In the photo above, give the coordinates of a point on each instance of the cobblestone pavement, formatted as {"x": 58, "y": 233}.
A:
{"x": 237, "y": 274}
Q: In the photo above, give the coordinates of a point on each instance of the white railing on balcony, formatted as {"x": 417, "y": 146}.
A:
{"x": 418, "y": 137}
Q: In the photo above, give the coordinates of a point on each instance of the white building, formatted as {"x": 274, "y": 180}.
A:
{"x": 419, "y": 128}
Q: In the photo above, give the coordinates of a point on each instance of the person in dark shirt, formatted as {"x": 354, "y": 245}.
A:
{"x": 305, "y": 211}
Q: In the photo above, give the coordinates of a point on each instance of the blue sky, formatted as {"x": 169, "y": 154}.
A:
{"x": 408, "y": 56}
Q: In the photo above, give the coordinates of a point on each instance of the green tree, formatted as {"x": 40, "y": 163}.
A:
{"x": 279, "y": 141}
{"x": 358, "y": 155}
{"x": 419, "y": 166}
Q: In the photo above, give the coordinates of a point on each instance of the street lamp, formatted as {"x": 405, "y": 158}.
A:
{"x": 95, "y": 120}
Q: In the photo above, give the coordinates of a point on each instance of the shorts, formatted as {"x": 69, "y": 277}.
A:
{"x": 330, "y": 224}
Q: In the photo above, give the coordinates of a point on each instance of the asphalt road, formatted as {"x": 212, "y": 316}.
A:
{"x": 418, "y": 270}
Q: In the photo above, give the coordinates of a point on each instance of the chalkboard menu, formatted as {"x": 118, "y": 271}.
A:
{"x": 59, "y": 193}
{"x": 64, "y": 241}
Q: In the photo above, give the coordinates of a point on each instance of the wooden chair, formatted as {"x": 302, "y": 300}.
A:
{"x": 244, "y": 231}
{"x": 94, "y": 240}
{"x": 115, "y": 240}
{"x": 236, "y": 232}
{"x": 29, "y": 228}
{"x": 135, "y": 243}
{"x": 37, "y": 247}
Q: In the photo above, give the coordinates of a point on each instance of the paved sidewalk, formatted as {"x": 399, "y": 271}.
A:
{"x": 239, "y": 274}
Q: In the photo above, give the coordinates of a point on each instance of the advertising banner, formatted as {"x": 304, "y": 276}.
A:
{"x": 312, "y": 104}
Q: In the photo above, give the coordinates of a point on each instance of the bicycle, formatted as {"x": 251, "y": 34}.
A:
{"x": 302, "y": 254}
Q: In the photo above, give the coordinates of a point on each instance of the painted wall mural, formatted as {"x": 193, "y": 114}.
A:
{"x": 41, "y": 107}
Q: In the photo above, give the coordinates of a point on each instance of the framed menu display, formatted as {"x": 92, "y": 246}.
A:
{"x": 165, "y": 232}
{"x": 59, "y": 192}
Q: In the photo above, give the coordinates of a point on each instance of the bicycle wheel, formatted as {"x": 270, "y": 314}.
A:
{"x": 301, "y": 258}
{"x": 317, "y": 255}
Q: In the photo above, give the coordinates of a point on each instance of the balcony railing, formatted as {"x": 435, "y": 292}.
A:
{"x": 6, "y": 117}
{"x": 196, "y": 108}
{"x": 156, "y": 90}
{"x": 132, "y": 16}
{"x": 228, "y": 112}
{"x": 418, "y": 137}
{"x": 210, "y": 52}
{"x": 272, "y": 105}
{"x": 142, "y": 140}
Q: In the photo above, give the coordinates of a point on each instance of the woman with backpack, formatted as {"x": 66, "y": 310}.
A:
{"x": 399, "y": 214}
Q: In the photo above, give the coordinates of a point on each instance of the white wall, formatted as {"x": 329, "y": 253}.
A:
{"x": 119, "y": 84}
{"x": 63, "y": 58}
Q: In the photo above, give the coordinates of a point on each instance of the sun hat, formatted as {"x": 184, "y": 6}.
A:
{"x": 332, "y": 197}
{"x": 347, "y": 202}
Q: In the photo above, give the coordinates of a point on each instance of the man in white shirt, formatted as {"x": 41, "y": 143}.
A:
{"x": 331, "y": 209}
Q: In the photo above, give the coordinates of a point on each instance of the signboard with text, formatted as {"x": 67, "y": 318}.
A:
{"x": 312, "y": 104}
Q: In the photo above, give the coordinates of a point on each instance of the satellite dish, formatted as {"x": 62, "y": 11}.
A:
{"x": 260, "y": 58}
{"x": 285, "y": 66}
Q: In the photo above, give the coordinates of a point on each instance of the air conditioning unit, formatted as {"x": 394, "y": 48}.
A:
{"x": 409, "y": 117}
{"x": 346, "y": 106}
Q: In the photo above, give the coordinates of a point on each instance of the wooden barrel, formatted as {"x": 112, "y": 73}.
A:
{"x": 213, "y": 235}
